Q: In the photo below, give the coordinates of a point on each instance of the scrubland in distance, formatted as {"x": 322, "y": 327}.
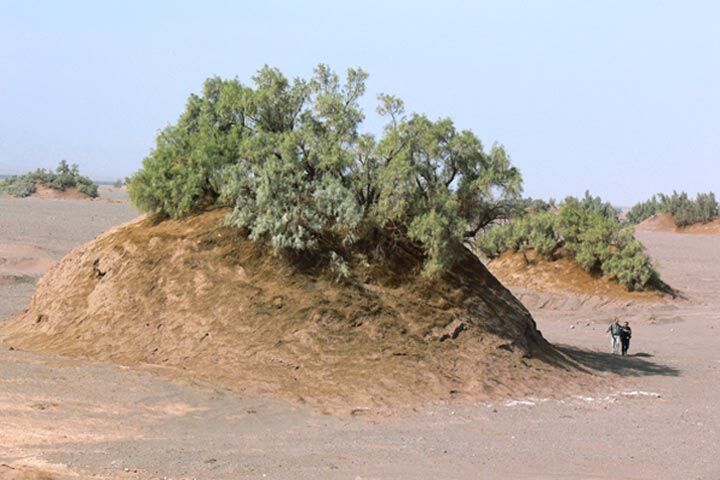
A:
{"x": 64, "y": 177}
{"x": 685, "y": 212}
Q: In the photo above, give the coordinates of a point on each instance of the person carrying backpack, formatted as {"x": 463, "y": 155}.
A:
{"x": 614, "y": 330}
{"x": 625, "y": 336}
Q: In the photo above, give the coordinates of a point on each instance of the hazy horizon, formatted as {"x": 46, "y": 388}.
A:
{"x": 621, "y": 99}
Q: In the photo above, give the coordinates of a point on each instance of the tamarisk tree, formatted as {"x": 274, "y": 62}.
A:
{"x": 290, "y": 160}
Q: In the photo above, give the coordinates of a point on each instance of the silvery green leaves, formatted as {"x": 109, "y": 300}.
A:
{"x": 289, "y": 159}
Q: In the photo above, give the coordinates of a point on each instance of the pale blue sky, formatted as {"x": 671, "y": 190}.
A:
{"x": 621, "y": 97}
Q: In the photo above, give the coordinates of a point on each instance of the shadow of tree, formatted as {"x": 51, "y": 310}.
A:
{"x": 628, "y": 366}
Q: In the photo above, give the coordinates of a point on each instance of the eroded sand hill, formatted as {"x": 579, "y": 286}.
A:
{"x": 562, "y": 275}
{"x": 46, "y": 193}
{"x": 562, "y": 285}
{"x": 203, "y": 302}
{"x": 664, "y": 222}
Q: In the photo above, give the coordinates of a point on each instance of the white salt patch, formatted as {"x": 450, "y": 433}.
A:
{"x": 514, "y": 403}
{"x": 640, "y": 393}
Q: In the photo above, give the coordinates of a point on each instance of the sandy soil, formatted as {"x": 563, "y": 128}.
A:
{"x": 665, "y": 223}
{"x": 563, "y": 275}
{"x": 78, "y": 419}
{"x": 46, "y": 193}
{"x": 35, "y": 233}
{"x": 195, "y": 296}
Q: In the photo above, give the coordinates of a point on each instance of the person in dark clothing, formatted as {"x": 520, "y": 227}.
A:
{"x": 625, "y": 335}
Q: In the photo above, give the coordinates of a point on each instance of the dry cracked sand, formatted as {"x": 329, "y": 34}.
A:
{"x": 68, "y": 419}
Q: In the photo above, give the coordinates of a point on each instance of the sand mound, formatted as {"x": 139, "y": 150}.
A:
{"x": 201, "y": 299}
{"x": 562, "y": 275}
{"x": 665, "y": 223}
{"x": 46, "y": 193}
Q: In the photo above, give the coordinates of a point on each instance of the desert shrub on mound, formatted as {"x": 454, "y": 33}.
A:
{"x": 587, "y": 229}
{"x": 65, "y": 176}
{"x": 18, "y": 186}
{"x": 685, "y": 211}
{"x": 290, "y": 159}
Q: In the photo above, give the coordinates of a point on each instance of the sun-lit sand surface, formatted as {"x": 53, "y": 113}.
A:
{"x": 82, "y": 419}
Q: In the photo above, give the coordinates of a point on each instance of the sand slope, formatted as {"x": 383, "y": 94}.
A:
{"x": 84, "y": 419}
{"x": 664, "y": 223}
{"x": 47, "y": 193}
{"x": 562, "y": 275}
{"x": 198, "y": 298}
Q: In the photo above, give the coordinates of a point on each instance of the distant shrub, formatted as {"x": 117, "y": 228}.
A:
{"x": 536, "y": 231}
{"x": 528, "y": 205}
{"x": 643, "y": 210}
{"x": 64, "y": 177}
{"x": 684, "y": 210}
{"x": 17, "y": 186}
{"x": 587, "y": 229}
{"x": 629, "y": 264}
{"x": 87, "y": 186}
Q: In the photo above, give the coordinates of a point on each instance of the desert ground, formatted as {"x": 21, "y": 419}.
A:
{"x": 63, "y": 418}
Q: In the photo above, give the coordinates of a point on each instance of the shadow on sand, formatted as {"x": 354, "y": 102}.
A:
{"x": 634, "y": 365}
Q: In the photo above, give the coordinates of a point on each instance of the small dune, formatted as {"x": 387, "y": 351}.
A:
{"x": 664, "y": 222}
{"x": 47, "y": 193}
{"x": 562, "y": 275}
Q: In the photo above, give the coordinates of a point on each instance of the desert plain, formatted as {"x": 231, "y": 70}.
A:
{"x": 654, "y": 415}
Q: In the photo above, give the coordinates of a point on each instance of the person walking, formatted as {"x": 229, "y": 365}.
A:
{"x": 625, "y": 336}
{"x": 614, "y": 330}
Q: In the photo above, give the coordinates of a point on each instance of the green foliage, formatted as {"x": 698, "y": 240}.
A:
{"x": 182, "y": 173}
{"x": 587, "y": 229}
{"x": 525, "y": 206}
{"x": 643, "y": 210}
{"x": 87, "y": 186}
{"x": 685, "y": 211}
{"x": 65, "y": 176}
{"x": 594, "y": 243}
{"x": 18, "y": 186}
{"x": 529, "y": 231}
{"x": 629, "y": 264}
{"x": 339, "y": 267}
{"x": 291, "y": 161}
